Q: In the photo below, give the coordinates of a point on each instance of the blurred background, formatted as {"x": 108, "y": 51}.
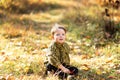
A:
{"x": 93, "y": 35}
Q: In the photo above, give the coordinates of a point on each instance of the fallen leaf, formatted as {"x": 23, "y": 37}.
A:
{"x": 98, "y": 71}
{"x": 4, "y": 58}
{"x": 85, "y": 68}
{"x": 2, "y": 53}
{"x": 84, "y": 56}
{"x": 112, "y": 77}
{"x": 88, "y": 37}
{"x": 2, "y": 78}
{"x": 109, "y": 60}
{"x": 85, "y": 79}
{"x": 10, "y": 77}
{"x": 118, "y": 71}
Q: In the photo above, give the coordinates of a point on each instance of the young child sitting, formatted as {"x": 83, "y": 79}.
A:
{"x": 57, "y": 58}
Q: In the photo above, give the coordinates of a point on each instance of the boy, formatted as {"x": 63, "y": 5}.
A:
{"x": 57, "y": 59}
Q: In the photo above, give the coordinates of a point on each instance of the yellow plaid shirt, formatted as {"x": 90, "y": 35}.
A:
{"x": 58, "y": 54}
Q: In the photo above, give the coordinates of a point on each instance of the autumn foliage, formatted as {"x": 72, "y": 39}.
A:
{"x": 93, "y": 35}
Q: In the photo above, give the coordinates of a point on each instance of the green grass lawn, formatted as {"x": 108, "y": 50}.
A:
{"x": 25, "y": 36}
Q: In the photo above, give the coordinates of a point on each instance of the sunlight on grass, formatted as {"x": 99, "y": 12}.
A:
{"x": 70, "y": 3}
{"x": 43, "y": 17}
{"x": 25, "y": 37}
{"x": 9, "y": 31}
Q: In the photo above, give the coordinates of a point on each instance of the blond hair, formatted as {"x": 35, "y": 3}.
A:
{"x": 57, "y": 26}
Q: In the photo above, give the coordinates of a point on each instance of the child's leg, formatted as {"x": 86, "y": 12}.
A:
{"x": 73, "y": 74}
{"x": 74, "y": 70}
{"x": 56, "y": 71}
{"x": 62, "y": 75}
{"x": 51, "y": 68}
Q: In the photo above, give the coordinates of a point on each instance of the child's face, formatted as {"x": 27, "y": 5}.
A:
{"x": 59, "y": 36}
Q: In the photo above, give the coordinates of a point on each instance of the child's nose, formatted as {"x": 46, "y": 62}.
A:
{"x": 61, "y": 35}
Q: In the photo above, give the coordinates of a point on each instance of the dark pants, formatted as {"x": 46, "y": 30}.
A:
{"x": 62, "y": 75}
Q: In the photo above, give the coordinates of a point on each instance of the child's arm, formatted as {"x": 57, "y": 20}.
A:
{"x": 64, "y": 69}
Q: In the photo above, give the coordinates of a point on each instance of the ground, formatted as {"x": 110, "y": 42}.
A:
{"x": 25, "y": 35}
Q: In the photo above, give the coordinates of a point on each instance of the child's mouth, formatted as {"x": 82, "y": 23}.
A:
{"x": 60, "y": 39}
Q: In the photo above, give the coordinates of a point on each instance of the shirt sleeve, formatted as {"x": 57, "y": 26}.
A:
{"x": 67, "y": 48}
{"x": 54, "y": 56}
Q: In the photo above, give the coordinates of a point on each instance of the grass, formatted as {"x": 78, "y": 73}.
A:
{"x": 25, "y": 36}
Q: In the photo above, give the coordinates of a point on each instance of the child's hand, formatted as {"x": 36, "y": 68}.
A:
{"x": 65, "y": 70}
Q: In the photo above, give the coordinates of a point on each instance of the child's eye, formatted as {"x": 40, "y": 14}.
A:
{"x": 57, "y": 34}
{"x": 63, "y": 34}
